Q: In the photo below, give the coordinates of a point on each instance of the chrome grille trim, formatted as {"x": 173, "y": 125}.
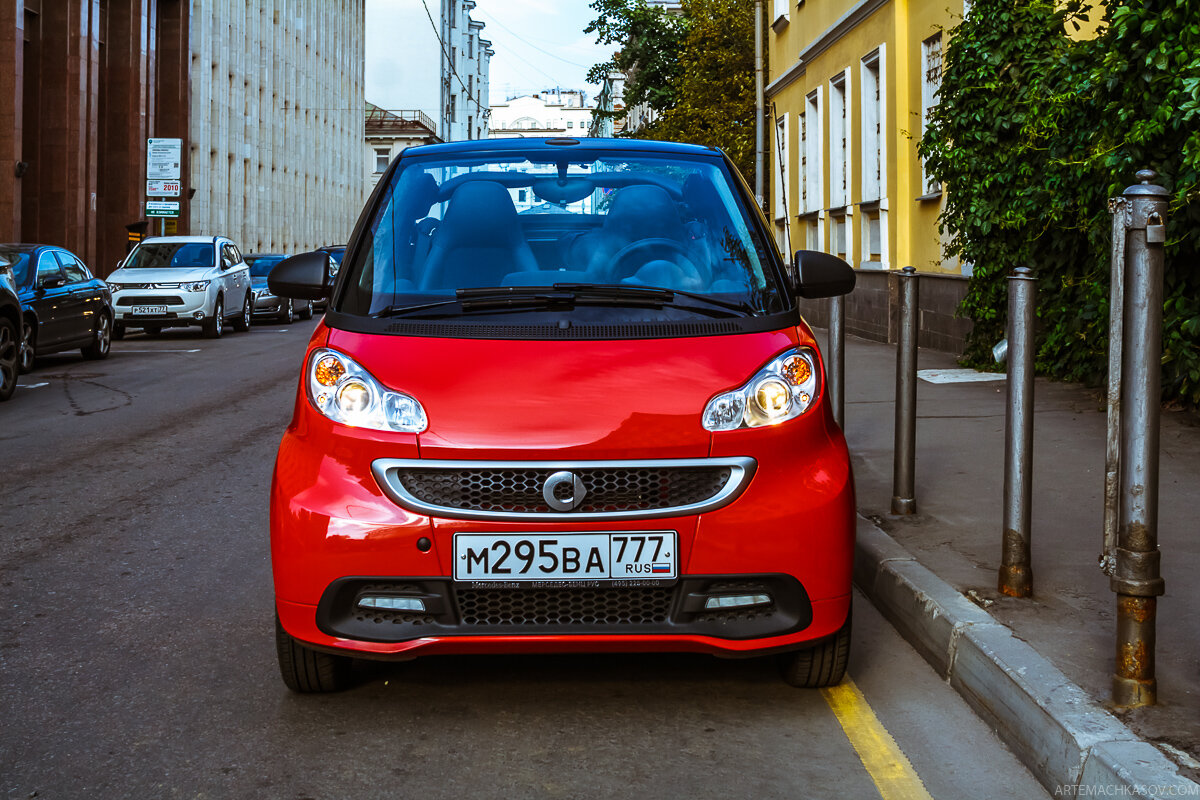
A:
{"x": 387, "y": 475}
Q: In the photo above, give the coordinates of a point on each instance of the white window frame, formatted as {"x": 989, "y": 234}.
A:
{"x": 781, "y": 152}
{"x": 815, "y": 162}
{"x": 931, "y": 62}
{"x": 874, "y": 114}
{"x": 840, "y": 166}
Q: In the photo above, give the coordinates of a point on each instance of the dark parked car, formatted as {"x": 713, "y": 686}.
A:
{"x": 267, "y": 304}
{"x": 10, "y": 324}
{"x": 63, "y": 306}
{"x": 336, "y": 253}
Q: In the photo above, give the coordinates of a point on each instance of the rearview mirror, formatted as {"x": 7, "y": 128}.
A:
{"x": 302, "y": 277}
{"x": 822, "y": 275}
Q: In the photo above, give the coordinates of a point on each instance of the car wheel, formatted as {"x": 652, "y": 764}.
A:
{"x": 307, "y": 670}
{"x": 242, "y": 323}
{"x": 214, "y": 326}
{"x": 10, "y": 355}
{"x": 28, "y": 352}
{"x": 101, "y": 339}
{"x": 822, "y": 665}
{"x": 118, "y": 330}
{"x": 288, "y": 315}
{"x": 307, "y": 311}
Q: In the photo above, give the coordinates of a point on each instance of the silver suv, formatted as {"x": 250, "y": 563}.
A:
{"x": 176, "y": 281}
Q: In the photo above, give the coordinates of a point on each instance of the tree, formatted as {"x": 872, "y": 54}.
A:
{"x": 1033, "y": 133}
{"x": 696, "y": 70}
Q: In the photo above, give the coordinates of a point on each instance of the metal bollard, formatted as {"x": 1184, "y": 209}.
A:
{"x": 1136, "y": 578}
{"x": 904, "y": 500}
{"x": 1016, "y": 572}
{"x": 836, "y": 366}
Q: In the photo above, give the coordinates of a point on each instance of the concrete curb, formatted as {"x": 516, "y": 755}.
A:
{"x": 1071, "y": 744}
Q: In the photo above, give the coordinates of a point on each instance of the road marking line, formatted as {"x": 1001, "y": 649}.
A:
{"x": 887, "y": 765}
{"x": 164, "y": 350}
{"x": 33, "y": 385}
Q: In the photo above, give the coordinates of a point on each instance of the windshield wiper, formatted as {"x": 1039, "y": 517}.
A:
{"x": 491, "y": 298}
{"x": 667, "y": 295}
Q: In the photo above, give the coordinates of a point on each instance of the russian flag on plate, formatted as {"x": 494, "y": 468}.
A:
{"x": 660, "y": 568}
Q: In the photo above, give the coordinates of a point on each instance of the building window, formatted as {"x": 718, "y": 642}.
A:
{"x": 382, "y": 156}
{"x": 815, "y": 197}
{"x": 840, "y": 226}
{"x": 570, "y": 124}
{"x": 781, "y": 9}
{"x": 873, "y": 180}
{"x": 839, "y": 150}
{"x": 931, "y": 83}
{"x": 780, "y": 168}
{"x": 453, "y": 108}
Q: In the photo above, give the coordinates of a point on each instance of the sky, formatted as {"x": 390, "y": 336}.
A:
{"x": 539, "y": 44}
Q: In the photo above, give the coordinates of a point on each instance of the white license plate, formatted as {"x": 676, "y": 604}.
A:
{"x": 148, "y": 310}
{"x": 620, "y": 555}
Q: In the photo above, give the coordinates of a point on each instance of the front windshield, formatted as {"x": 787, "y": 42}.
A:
{"x": 261, "y": 266}
{"x": 539, "y": 218}
{"x": 165, "y": 255}
{"x": 19, "y": 261}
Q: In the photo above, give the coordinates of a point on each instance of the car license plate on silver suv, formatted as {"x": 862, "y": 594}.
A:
{"x": 619, "y": 555}
{"x": 148, "y": 310}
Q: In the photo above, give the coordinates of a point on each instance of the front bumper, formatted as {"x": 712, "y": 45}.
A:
{"x": 181, "y": 307}
{"x": 335, "y": 533}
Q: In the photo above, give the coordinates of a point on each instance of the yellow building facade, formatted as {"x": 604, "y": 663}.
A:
{"x": 851, "y": 84}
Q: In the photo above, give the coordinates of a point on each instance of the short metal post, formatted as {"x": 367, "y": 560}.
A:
{"x": 1136, "y": 579}
{"x": 836, "y": 365}
{"x": 1016, "y": 572}
{"x": 1119, "y": 208}
{"x": 904, "y": 498}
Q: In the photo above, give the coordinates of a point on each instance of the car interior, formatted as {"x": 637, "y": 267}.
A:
{"x": 619, "y": 227}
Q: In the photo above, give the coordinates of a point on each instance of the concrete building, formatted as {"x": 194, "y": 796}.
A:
{"x": 430, "y": 56}
{"x": 611, "y": 99}
{"x": 555, "y": 112}
{"x": 266, "y": 99}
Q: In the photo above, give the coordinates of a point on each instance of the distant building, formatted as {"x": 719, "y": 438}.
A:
{"x": 430, "y": 56}
{"x": 389, "y": 132}
{"x": 555, "y": 112}
{"x": 268, "y": 107}
{"x": 610, "y": 100}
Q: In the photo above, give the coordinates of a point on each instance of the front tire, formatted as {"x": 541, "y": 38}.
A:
{"x": 118, "y": 330}
{"x": 10, "y": 356}
{"x": 307, "y": 311}
{"x": 214, "y": 326}
{"x": 305, "y": 670}
{"x": 821, "y": 665}
{"x": 101, "y": 339}
{"x": 288, "y": 315}
{"x": 242, "y": 323}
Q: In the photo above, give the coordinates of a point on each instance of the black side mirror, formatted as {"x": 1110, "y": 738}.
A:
{"x": 52, "y": 282}
{"x": 302, "y": 277}
{"x": 822, "y": 275}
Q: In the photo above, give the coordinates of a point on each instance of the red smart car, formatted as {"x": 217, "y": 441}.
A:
{"x": 562, "y": 401}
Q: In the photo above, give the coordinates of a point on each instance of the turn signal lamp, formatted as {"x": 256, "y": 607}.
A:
{"x": 783, "y": 389}
{"x": 345, "y": 392}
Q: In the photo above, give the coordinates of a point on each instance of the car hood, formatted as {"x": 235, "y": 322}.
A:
{"x": 546, "y": 399}
{"x": 165, "y": 275}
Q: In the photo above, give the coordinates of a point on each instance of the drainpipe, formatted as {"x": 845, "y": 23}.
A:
{"x": 760, "y": 107}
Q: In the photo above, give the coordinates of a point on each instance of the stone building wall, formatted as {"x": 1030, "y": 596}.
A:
{"x": 276, "y": 137}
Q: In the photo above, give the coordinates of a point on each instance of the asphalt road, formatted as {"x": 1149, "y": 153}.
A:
{"x": 137, "y": 659}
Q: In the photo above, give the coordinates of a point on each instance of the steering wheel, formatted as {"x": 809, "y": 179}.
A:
{"x": 639, "y": 253}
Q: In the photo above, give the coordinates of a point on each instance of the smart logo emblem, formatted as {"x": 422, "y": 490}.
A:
{"x": 557, "y": 485}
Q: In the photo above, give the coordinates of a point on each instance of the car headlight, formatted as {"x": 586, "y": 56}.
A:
{"x": 116, "y": 287}
{"x": 784, "y": 389}
{"x": 346, "y": 393}
{"x": 195, "y": 286}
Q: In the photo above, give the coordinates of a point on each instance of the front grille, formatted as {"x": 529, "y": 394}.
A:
{"x": 480, "y": 610}
{"x": 478, "y": 490}
{"x": 151, "y": 300}
{"x": 564, "y": 607}
{"x": 520, "y": 490}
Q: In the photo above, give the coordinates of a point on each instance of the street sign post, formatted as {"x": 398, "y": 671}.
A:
{"x": 163, "y": 160}
{"x": 162, "y": 208}
{"x": 160, "y": 188}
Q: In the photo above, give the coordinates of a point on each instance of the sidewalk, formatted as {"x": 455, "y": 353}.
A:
{"x": 1065, "y": 735}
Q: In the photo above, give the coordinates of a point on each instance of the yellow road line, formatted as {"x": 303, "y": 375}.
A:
{"x": 894, "y": 776}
